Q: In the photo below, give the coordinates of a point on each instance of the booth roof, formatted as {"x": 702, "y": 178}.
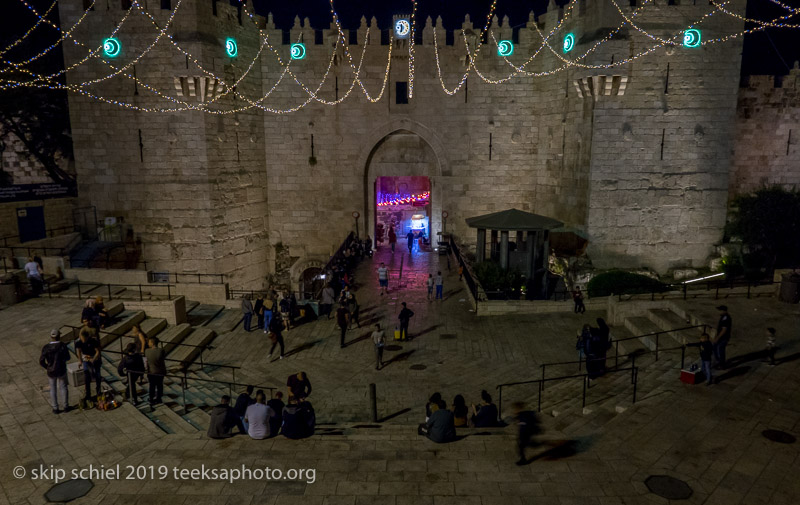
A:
{"x": 513, "y": 220}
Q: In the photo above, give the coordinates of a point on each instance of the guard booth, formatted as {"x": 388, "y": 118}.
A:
{"x": 518, "y": 240}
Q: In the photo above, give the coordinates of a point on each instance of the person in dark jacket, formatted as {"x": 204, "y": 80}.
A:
{"x": 87, "y": 347}
{"x": 441, "y": 425}
{"x": 156, "y": 369}
{"x": 299, "y": 420}
{"x": 528, "y": 427}
{"x": 485, "y": 415}
{"x": 223, "y": 419}
{"x": 54, "y": 359}
{"x": 242, "y": 402}
{"x": 247, "y": 312}
{"x": 258, "y": 308}
{"x": 299, "y": 387}
{"x": 132, "y": 366}
{"x": 432, "y": 405}
{"x": 405, "y": 316}
{"x": 706, "y": 352}
{"x": 277, "y": 406}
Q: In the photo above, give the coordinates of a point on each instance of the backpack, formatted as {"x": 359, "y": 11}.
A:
{"x": 106, "y": 401}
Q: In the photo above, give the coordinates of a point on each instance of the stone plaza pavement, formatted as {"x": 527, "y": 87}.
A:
{"x": 710, "y": 437}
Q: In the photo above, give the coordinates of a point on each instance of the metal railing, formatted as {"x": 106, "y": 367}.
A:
{"x": 184, "y": 379}
{"x": 49, "y": 233}
{"x": 472, "y": 283}
{"x": 107, "y": 264}
{"x": 685, "y": 289}
{"x": 95, "y": 289}
{"x": 201, "y": 278}
{"x": 634, "y": 370}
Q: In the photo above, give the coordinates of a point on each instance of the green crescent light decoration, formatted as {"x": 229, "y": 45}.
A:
{"x": 569, "y": 42}
{"x": 298, "y": 51}
{"x": 231, "y": 47}
{"x": 505, "y": 48}
{"x": 691, "y": 38}
{"x": 111, "y": 47}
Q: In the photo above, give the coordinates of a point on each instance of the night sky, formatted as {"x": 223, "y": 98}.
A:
{"x": 772, "y": 51}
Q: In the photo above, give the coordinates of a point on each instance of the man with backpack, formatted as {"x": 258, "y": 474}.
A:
{"x": 54, "y": 359}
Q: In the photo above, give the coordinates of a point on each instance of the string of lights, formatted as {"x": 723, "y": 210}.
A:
{"x": 47, "y": 81}
{"x": 53, "y": 45}
{"x": 412, "y": 39}
{"x": 403, "y": 199}
{"x": 39, "y": 21}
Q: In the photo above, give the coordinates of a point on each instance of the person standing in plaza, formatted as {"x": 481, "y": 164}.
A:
{"x": 439, "y": 281}
{"x": 285, "y": 308}
{"x": 54, "y": 359}
{"x": 706, "y": 351}
{"x": 410, "y": 238}
{"x": 383, "y": 278}
{"x": 392, "y": 238}
{"x": 258, "y": 309}
{"x": 131, "y": 366}
{"x": 87, "y": 347}
{"x": 771, "y": 346}
{"x": 723, "y": 335}
{"x": 247, "y": 312}
{"x": 577, "y": 297}
{"x": 326, "y": 304}
{"x": 269, "y": 311}
{"x": 34, "y": 272}
{"x": 405, "y": 317}
{"x": 379, "y": 340}
{"x": 342, "y": 321}
{"x": 277, "y": 339}
{"x": 355, "y": 309}
{"x": 156, "y": 370}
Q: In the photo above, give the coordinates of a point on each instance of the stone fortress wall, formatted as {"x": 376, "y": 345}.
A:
{"x": 767, "y": 144}
{"x": 637, "y": 156}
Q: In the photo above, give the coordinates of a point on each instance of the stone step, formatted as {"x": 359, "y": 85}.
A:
{"x": 187, "y": 354}
{"x": 644, "y": 326}
{"x": 668, "y": 320}
{"x": 126, "y": 320}
{"x": 174, "y": 335}
{"x": 226, "y": 321}
{"x": 199, "y": 419}
{"x": 168, "y": 420}
{"x": 152, "y": 327}
{"x": 190, "y": 305}
{"x": 202, "y": 313}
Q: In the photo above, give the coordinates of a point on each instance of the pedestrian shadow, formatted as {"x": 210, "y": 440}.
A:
{"x": 426, "y": 330}
{"x": 562, "y": 449}
{"x": 396, "y": 414}
{"x": 787, "y": 359}
{"x": 403, "y": 356}
{"x": 730, "y": 374}
{"x": 745, "y": 358}
{"x": 301, "y": 348}
{"x": 357, "y": 340}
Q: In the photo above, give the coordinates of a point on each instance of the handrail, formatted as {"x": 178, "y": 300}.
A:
{"x": 96, "y": 285}
{"x": 49, "y": 232}
{"x": 685, "y": 288}
{"x": 73, "y": 263}
{"x": 131, "y": 336}
{"x": 634, "y": 381}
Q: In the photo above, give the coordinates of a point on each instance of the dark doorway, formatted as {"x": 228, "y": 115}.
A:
{"x": 30, "y": 223}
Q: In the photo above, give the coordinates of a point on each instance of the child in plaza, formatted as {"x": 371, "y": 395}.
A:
{"x": 706, "y": 351}
{"x": 771, "y": 348}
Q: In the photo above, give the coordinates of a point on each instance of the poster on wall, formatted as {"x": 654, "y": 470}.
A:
{"x": 23, "y": 192}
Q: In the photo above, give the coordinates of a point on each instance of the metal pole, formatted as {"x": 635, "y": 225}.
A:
{"x": 201, "y": 358}
{"x": 373, "y": 403}
{"x": 543, "y": 365}
{"x": 633, "y": 365}
{"x": 140, "y": 293}
{"x": 584, "y": 391}
{"x": 657, "y": 335}
{"x": 616, "y": 354}
{"x": 500, "y": 404}
{"x": 541, "y": 386}
{"x": 684, "y": 291}
{"x": 109, "y": 291}
{"x": 635, "y": 382}
{"x": 169, "y": 293}
{"x": 183, "y": 389}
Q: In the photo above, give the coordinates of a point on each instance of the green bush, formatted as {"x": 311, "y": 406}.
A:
{"x": 494, "y": 278}
{"x": 618, "y": 282}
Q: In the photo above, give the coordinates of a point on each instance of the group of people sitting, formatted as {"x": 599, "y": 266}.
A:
{"x": 592, "y": 345}
{"x": 441, "y": 423}
{"x": 261, "y": 418}
{"x": 94, "y": 314}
